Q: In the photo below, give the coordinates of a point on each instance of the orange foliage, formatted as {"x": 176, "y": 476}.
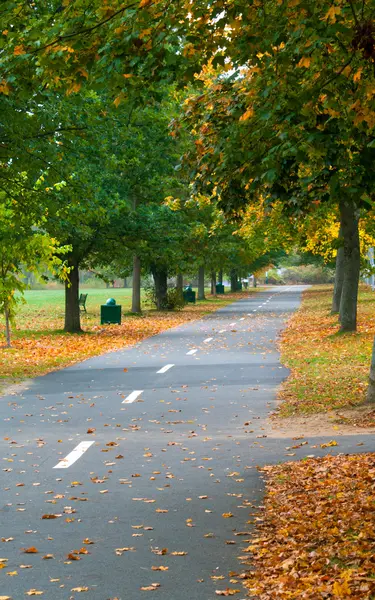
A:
{"x": 316, "y": 538}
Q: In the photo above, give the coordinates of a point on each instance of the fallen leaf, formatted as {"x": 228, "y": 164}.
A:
{"x": 150, "y": 588}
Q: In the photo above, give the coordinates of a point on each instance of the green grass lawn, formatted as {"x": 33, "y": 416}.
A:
{"x": 44, "y": 309}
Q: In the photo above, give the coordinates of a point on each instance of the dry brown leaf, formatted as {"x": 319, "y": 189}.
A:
{"x": 150, "y": 588}
{"x": 120, "y": 551}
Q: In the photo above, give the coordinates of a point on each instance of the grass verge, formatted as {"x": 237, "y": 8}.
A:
{"x": 317, "y": 535}
{"x": 40, "y": 346}
{"x": 329, "y": 369}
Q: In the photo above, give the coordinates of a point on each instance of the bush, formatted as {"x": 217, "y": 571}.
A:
{"x": 175, "y": 299}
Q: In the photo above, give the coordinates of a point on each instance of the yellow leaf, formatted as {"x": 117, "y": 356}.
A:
{"x": 342, "y": 590}
{"x": 329, "y": 444}
{"x": 144, "y": 3}
{"x": 304, "y": 62}
{"x": 357, "y": 76}
{"x": 18, "y": 50}
{"x": 75, "y": 87}
{"x": 4, "y": 88}
{"x": 331, "y": 14}
{"x": 145, "y": 33}
{"x": 249, "y": 113}
{"x": 127, "y": 76}
{"x": 5, "y": 32}
{"x": 116, "y": 102}
{"x": 34, "y": 592}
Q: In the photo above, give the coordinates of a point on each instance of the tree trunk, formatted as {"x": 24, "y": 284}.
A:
{"x": 136, "y": 287}
{"x": 125, "y": 282}
{"x": 255, "y": 283}
{"x": 160, "y": 276}
{"x": 201, "y": 295}
{"x": 349, "y": 295}
{"x": 7, "y": 327}
{"x": 221, "y": 277}
{"x": 213, "y": 283}
{"x": 233, "y": 281}
{"x": 72, "y": 312}
{"x": 180, "y": 282}
{"x": 339, "y": 279}
{"x": 370, "y": 396}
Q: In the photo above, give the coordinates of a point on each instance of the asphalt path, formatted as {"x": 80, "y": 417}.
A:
{"x": 138, "y": 469}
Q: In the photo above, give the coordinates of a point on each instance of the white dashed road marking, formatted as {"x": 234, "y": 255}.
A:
{"x": 207, "y": 340}
{"x": 165, "y": 368}
{"x": 222, "y": 331}
{"x": 192, "y": 351}
{"x": 231, "y": 324}
{"x": 73, "y": 455}
{"x": 133, "y": 396}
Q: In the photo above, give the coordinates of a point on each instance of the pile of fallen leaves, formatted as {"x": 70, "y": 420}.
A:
{"x": 45, "y": 348}
{"x": 317, "y": 535}
{"x": 329, "y": 370}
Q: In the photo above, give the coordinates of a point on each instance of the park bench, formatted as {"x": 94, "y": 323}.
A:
{"x": 82, "y": 301}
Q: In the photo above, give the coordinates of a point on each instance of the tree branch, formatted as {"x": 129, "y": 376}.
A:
{"x": 85, "y": 31}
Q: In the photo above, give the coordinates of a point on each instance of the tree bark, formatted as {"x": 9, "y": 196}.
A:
{"x": 339, "y": 278}
{"x": 201, "y": 295}
{"x": 7, "y": 327}
{"x": 233, "y": 281}
{"x": 136, "y": 286}
{"x": 213, "y": 283}
{"x": 370, "y": 396}
{"x": 221, "y": 277}
{"x": 72, "y": 312}
{"x": 160, "y": 276}
{"x": 255, "y": 283}
{"x": 349, "y": 295}
{"x": 180, "y": 282}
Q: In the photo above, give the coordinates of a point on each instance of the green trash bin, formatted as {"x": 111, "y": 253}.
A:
{"x": 189, "y": 295}
{"x": 239, "y": 286}
{"x": 110, "y": 312}
{"x": 219, "y": 288}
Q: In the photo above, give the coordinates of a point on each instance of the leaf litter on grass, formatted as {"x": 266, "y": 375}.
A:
{"x": 329, "y": 370}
